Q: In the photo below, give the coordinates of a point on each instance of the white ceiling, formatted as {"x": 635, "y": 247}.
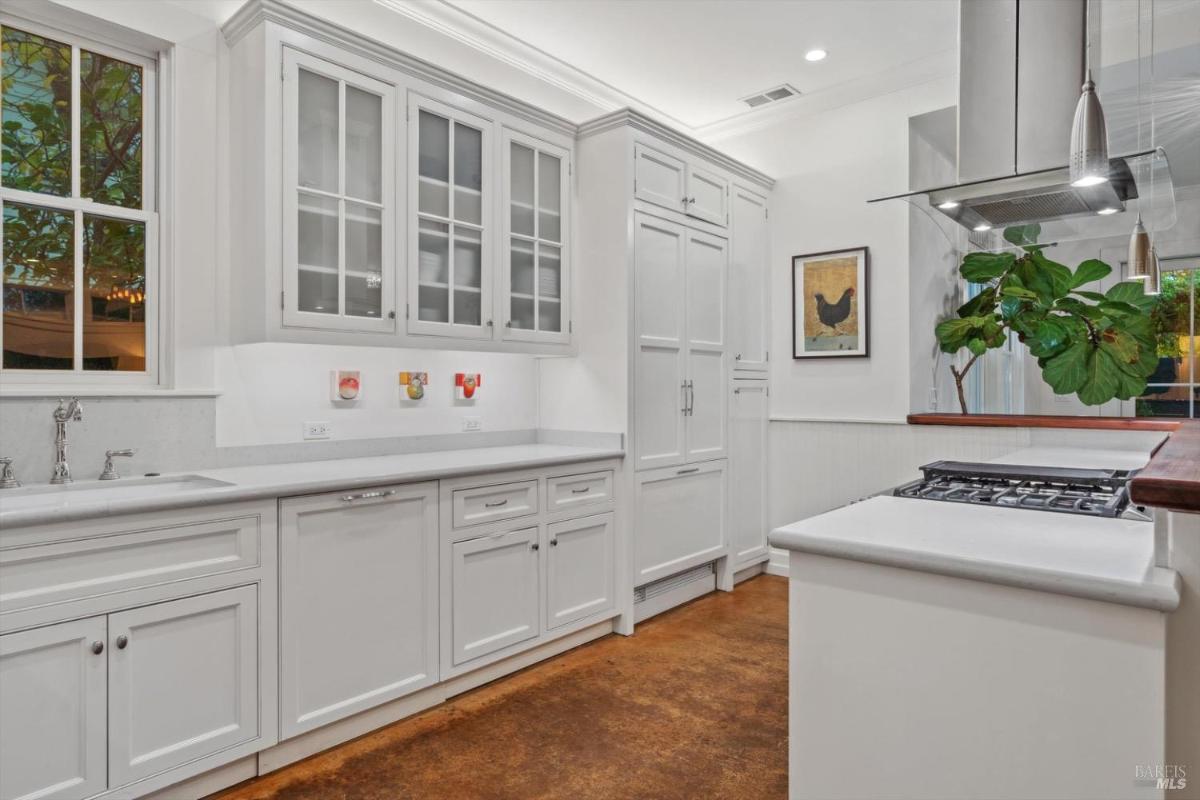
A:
{"x": 691, "y": 60}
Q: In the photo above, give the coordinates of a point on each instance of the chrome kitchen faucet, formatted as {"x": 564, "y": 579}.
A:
{"x": 62, "y": 415}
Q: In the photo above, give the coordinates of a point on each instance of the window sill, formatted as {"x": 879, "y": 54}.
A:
{"x": 34, "y": 390}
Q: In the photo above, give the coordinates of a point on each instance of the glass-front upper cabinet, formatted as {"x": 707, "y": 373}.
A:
{"x": 536, "y": 277}
{"x": 450, "y": 208}
{"x": 339, "y": 264}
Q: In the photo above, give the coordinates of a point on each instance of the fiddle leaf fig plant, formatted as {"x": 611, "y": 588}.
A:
{"x": 1093, "y": 345}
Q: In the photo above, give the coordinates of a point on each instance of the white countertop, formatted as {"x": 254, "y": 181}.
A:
{"x": 1097, "y": 558}
{"x": 306, "y": 477}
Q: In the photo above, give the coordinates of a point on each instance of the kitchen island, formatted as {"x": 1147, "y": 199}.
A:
{"x": 952, "y": 650}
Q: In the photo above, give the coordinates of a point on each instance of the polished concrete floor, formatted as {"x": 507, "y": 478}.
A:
{"x": 692, "y": 706}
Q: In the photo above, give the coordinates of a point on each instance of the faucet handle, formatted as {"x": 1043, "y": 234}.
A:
{"x": 109, "y": 473}
{"x": 7, "y": 479}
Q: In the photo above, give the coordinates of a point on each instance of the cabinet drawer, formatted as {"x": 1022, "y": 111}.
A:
{"x": 566, "y": 492}
{"x": 480, "y": 504}
{"x": 64, "y": 571}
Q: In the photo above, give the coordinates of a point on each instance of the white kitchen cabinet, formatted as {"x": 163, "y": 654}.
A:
{"x": 53, "y": 711}
{"x": 450, "y": 225}
{"x": 707, "y": 195}
{"x": 747, "y": 471}
{"x": 495, "y": 591}
{"x": 680, "y": 519}
{"x": 537, "y": 251}
{"x": 679, "y": 403}
{"x": 339, "y": 197}
{"x": 749, "y": 285}
{"x": 580, "y": 579}
{"x": 682, "y": 186}
{"x": 183, "y": 681}
{"x": 359, "y": 601}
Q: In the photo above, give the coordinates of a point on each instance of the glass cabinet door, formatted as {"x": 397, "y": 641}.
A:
{"x": 449, "y": 285}
{"x": 338, "y": 201}
{"x": 537, "y": 183}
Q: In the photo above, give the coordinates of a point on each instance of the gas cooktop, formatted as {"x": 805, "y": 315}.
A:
{"x": 1093, "y": 492}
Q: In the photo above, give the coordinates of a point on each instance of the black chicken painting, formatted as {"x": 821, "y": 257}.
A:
{"x": 829, "y": 297}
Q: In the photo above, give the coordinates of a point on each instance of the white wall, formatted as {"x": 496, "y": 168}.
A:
{"x": 826, "y": 167}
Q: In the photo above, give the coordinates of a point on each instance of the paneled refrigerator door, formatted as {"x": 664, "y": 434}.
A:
{"x": 707, "y": 259}
{"x": 660, "y": 388}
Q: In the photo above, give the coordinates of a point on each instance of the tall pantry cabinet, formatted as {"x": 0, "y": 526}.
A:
{"x": 672, "y": 250}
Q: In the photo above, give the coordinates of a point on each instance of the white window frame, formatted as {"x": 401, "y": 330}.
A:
{"x": 1189, "y": 263}
{"x": 153, "y": 188}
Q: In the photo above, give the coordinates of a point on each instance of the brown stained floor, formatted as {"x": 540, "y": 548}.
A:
{"x": 692, "y": 706}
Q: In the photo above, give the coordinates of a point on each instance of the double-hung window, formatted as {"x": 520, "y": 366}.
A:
{"x": 80, "y": 221}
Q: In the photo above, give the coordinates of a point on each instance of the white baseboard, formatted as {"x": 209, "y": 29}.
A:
{"x": 210, "y": 782}
{"x": 746, "y": 573}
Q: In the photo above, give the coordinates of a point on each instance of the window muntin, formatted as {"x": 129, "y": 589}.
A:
{"x": 79, "y": 216}
{"x": 1174, "y": 388}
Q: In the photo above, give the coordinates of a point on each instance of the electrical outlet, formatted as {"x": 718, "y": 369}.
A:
{"x": 317, "y": 430}
{"x": 472, "y": 423}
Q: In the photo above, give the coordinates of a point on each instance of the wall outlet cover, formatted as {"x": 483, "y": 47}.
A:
{"x": 472, "y": 423}
{"x": 317, "y": 430}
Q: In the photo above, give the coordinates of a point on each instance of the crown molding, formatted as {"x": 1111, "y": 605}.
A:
{"x": 631, "y": 118}
{"x": 256, "y": 12}
{"x": 935, "y": 66}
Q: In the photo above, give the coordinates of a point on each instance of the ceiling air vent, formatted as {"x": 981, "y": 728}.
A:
{"x": 771, "y": 96}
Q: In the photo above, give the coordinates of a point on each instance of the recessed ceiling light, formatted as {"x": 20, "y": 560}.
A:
{"x": 1104, "y": 212}
{"x": 816, "y": 54}
{"x": 949, "y": 204}
{"x": 983, "y": 226}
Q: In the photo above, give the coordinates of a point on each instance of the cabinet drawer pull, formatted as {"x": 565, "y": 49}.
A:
{"x": 97, "y": 647}
{"x": 533, "y": 546}
{"x": 584, "y": 490}
{"x": 688, "y": 471}
{"x": 503, "y": 502}
{"x": 554, "y": 542}
{"x": 122, "y": 641}
{"x": 350, "y": 498}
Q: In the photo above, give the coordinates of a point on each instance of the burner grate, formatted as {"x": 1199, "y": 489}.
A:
{"x": 1099, "y": 493}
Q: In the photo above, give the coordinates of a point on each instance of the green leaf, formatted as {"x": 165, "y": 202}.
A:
{"x": 1067, "y": 371}
{"x": 1049, "y": 337}
{"x": 1023, "y": 234}
{"x": 977, "y": 346}
{"x": 1094, "y": 296}
{"x": 1100, "y": 382}
{"x": 1134, "y": 293}
{"x": 953, "y": 334}
{"x": 982, "y": 302}
{"x": 984, "y": 267}
{"x": 1060, "y": 277}
{"x": 1018, "y": 291}
{"x": 1091, "y": 270}
{"x": 1010, "y": 307}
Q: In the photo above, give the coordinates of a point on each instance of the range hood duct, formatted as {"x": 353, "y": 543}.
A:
{"x": 1021, "y": 66}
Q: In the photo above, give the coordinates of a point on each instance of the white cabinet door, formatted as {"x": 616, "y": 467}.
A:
{"x": 706, "y": 258}
{"x": 707, "y": 196}
{"x": 580, "y": 575}
{"x": 450, "y": 226}
{"x": 660, "y": 391}
{"x": 494, "y": 593}
{"x": 749, "y": 304}
{"x": 339, "y": 198}
{"x": 659, "y": 178}
{"x": 182, "y": 681}
{"x": 679, "y": 519}
{"x": 53, "y": 707}
{"x": 358, "y": 585}
{"x": 536, "y": 224}
{"x": 747, "y": 471}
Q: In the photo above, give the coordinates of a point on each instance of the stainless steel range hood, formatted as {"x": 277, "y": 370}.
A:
{"x": 1021, "y": 67}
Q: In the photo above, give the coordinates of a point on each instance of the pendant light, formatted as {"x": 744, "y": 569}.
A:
{"x": 1089, "y": 134}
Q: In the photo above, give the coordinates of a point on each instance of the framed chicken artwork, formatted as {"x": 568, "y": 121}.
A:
{"x": 829, "y": 304}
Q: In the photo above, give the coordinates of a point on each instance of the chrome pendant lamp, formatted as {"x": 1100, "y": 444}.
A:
{"x": 1089, "y": 134}
{"x": 1138, "y": 267}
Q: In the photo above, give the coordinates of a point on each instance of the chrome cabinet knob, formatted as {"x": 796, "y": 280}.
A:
{"x": 97, "y": 647}
{"x": 122, "y": 641}
{"x": 533, "y": 546}
{"x": 554, "y": 542}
